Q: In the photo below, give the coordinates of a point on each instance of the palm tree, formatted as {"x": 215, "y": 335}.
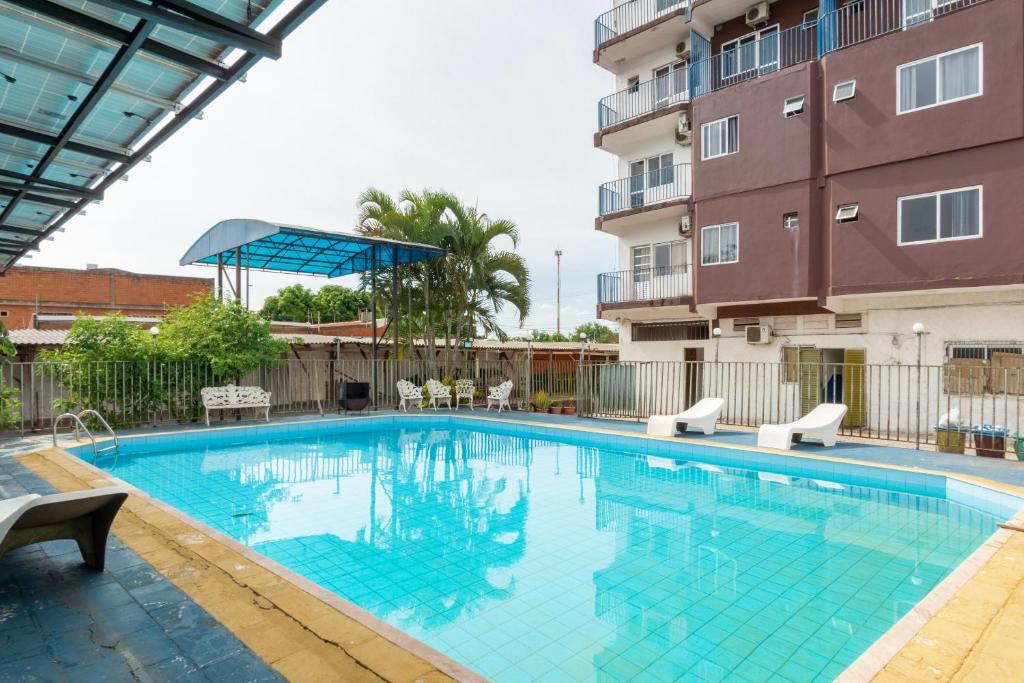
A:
{"x": 467, "y": 290}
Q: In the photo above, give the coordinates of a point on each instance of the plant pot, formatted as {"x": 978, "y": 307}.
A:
{"x": 555, "y": 410}
{"x": 950, "y": 441}
{"x": 568, "y": 410}
{"x": 990, "y": 446}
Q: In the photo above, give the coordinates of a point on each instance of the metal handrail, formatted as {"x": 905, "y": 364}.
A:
{"x": 631, "y": 15}
{"x": 643, "y": 98}
{"x": 645, "y": 189}
{"x": 80, "y": 427}
{"x": 644, "y": 284}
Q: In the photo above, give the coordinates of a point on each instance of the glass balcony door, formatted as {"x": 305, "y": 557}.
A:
{"x": 670, "y": 84}
{"x": 754, "y": 53}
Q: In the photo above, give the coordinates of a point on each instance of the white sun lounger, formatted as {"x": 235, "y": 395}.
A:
{"x": 821, "y": 423}
{"x": 702, "y": 415}
{"x": 83, "y": 516}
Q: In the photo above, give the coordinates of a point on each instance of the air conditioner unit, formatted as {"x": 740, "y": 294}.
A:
{"x": 684, "y": 129}
{"x": 684, "y": 226}
{"x": 759, "y": 334}
{"x": 758, "y": 14}
{"x": 683, "y": 49}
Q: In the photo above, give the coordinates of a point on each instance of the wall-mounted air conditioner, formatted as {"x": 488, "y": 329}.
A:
{"x": 757, "y": 14}
{"x": 759, "y": 334}
{"x": 684, "y": 226}
{"x": 683, "y": 49}
{"x": 684, "y": 129}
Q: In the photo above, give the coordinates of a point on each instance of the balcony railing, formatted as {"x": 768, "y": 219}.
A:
{"x": 645, "y": 189}
{"x": 644, "y": 284}
{"x": 867, "y": 19}
{"x": 765, "y": 55}
{"x": 643, "y": 98}
{"x": 631, "y": 15}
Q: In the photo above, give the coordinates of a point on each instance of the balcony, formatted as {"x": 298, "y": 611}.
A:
{"x": 755, "y": 58}
{"x": 656, "y": 96}
{"x": 613, "y": 29}
{"x": 651, "y": 195}
{"x": 644, "y": 287}
{"x": 867, "y": 19}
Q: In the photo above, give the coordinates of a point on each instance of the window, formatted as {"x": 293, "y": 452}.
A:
{"x": 918, "y": 11}
{"x": 790, "y": 364}
{"x": 720, "y": 244}
{"x": 949, "y": 215}
{"x": 981, "y": 350}
{"x": 937, "y": 80}
{"x": 754, "y": 52}
{"x": 741, "y": 324}
{"x": 680, "y": 331}
{"x": 660, "y": 170}
{"x": 633, "y": 84}
{"x": 846, "y": 90}
{"x": 848, "y": 320}
{"x": 642, "y": 257}
{"x": 669, "y": 83}
{"x": 646, "y": 174}
{"x": 3, "y": 314}
{"x": 720, "y": 137}
{"x": 847, "y": 213}
{"x": 791, "y": 221}
{"x": 810, "y": 18}
{"x": 793, "y": 106}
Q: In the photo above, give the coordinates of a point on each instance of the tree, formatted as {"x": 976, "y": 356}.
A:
{"x": 542, "y": 336}
{"x": 597, "y": 333}
{"x": 293, "y": 303}
{"x": 337, "y": 303}
{"x": 229, "y": 338}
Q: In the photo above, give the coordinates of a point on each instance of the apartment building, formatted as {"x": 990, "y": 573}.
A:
{"x": 813, "y": 177}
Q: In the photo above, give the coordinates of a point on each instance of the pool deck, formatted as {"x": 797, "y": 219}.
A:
{"x": 268, "y": 622}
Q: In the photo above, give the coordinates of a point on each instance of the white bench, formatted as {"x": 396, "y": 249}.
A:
{"x": 231, "y": 397}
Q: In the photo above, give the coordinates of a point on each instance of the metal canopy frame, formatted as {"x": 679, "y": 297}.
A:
{"x": 251, "y": 244}
{"x": 149, "y": 56}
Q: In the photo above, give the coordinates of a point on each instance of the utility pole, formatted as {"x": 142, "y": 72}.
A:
{"x": 558, "y": 291}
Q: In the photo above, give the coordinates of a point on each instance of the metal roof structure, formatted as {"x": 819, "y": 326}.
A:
{"x": 277, "y": 247}
{"x": 89, "y": 88}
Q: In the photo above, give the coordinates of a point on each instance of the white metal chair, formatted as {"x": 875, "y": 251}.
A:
{"x": 702, "y": 415}
{"x": 464, "y": 389}
{"x": 500, "y": 395}
{"x": 407, "y": 391}
{"x": 821, "y": 423}
{"x": 439, "y": 392}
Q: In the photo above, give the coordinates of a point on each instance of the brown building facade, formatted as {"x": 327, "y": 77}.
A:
{"x": 36, "y": 297}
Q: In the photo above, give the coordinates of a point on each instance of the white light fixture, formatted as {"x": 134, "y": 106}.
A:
{"x": 717, "y": 332}
{"x": 154, "y": 330}
{"x": 583, "y": 336}
{"x": 918, "y": 328}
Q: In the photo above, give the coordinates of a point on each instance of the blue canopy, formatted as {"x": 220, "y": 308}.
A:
{"x": 277, "y": 247}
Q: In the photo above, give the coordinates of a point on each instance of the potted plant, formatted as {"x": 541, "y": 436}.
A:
{"x": 556, "y": 408}
{"x": 541, "y": 401}
{"x": 569, "y": 408}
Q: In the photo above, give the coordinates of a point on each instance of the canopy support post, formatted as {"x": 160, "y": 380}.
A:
{"x": 220, "y": 277}
{"x": 238, "y": 274}
{"x": 373, "y": 319}
{"x": 394, "y": 308}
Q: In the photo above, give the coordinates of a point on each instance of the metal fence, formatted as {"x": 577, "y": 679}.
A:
{"x": 643, "y": 189}
{"x": 643, "y": 284}
{"x": 135, "y": 394}
{"x": 889, "y": 402}
{"x": 643, "y": 98}
{"x": 756, "y": 58}
{"x": 866, "y": 19}
{"x": 631, "y": 15}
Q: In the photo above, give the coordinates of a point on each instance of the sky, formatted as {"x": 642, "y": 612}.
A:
{"x": 493, "y": 101}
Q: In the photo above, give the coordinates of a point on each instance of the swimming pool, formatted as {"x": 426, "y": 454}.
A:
{"x": 528, "y": 552}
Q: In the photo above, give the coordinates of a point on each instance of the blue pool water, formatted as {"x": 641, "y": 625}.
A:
{"x": 527, "y": 558}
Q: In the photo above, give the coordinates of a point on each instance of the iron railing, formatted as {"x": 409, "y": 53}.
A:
{"x": 643, "y": 98}
{"x": 867, "y": 19}
{"x": 132, "y": 394}
{"x": 630, "y": 16}
{"x": 757, "y": 58}
{"x": 890, "y": 402}
{"x": 644, "y": 284}
{"x": 645, "y": 189}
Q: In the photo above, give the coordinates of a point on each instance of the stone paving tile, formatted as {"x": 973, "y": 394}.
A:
{"x": 61, "y": 621}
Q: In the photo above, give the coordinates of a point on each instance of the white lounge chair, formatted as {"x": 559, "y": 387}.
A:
{"x": 464, "y": 389}
{"x": 500, "y": 395}
{"x": 439, "y": 392}
{"x": 702, "y": 415}
{"x": 409, "y": 392}
{"x": 821, "y": 423}
{"x": 83, "y": 516}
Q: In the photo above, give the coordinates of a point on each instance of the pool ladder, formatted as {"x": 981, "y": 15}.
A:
{"x": 80, "y": 427}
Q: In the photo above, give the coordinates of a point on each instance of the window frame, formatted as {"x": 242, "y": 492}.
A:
{"x": 718, "y": 227}
{"x": 938, "y": 216}
{"x": 835, "y": 91}
{"x": 938, "y": 78}
{"x": 775, "y": 29}
{"x": 786, "y": 113}
{"x": 852, "y": 219}
{"x": 803, "y": 21}
{"x": 785, "y": 219}
{"x": 723, "y": 120}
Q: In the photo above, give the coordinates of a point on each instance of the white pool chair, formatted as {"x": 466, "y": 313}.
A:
{"x": 464, "y": 389}
{"x": 499, "y": 395}
{"x": 439, "y": 392}
{"x": 702, "y": 415}
{"x": 82, "y": 516}
{"x": 658, "y": 463}
{"x": 409, "y": 392}
{"x": 774, "y": 478}
{"x": 821, "y": 423}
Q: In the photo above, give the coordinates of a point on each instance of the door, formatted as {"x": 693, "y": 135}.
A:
{"x": 694, "y": 382}
{"x": 669, "y": 270}
{"x": 768, "y": 50}
{"x": 669, "y": 84}
{"x": 809, "y": 377}
{"x": 641, "y": 273}
{"x": 660, "y": 179}
{"x": 636, "y": 184}
{"x": 854, "y": 387}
